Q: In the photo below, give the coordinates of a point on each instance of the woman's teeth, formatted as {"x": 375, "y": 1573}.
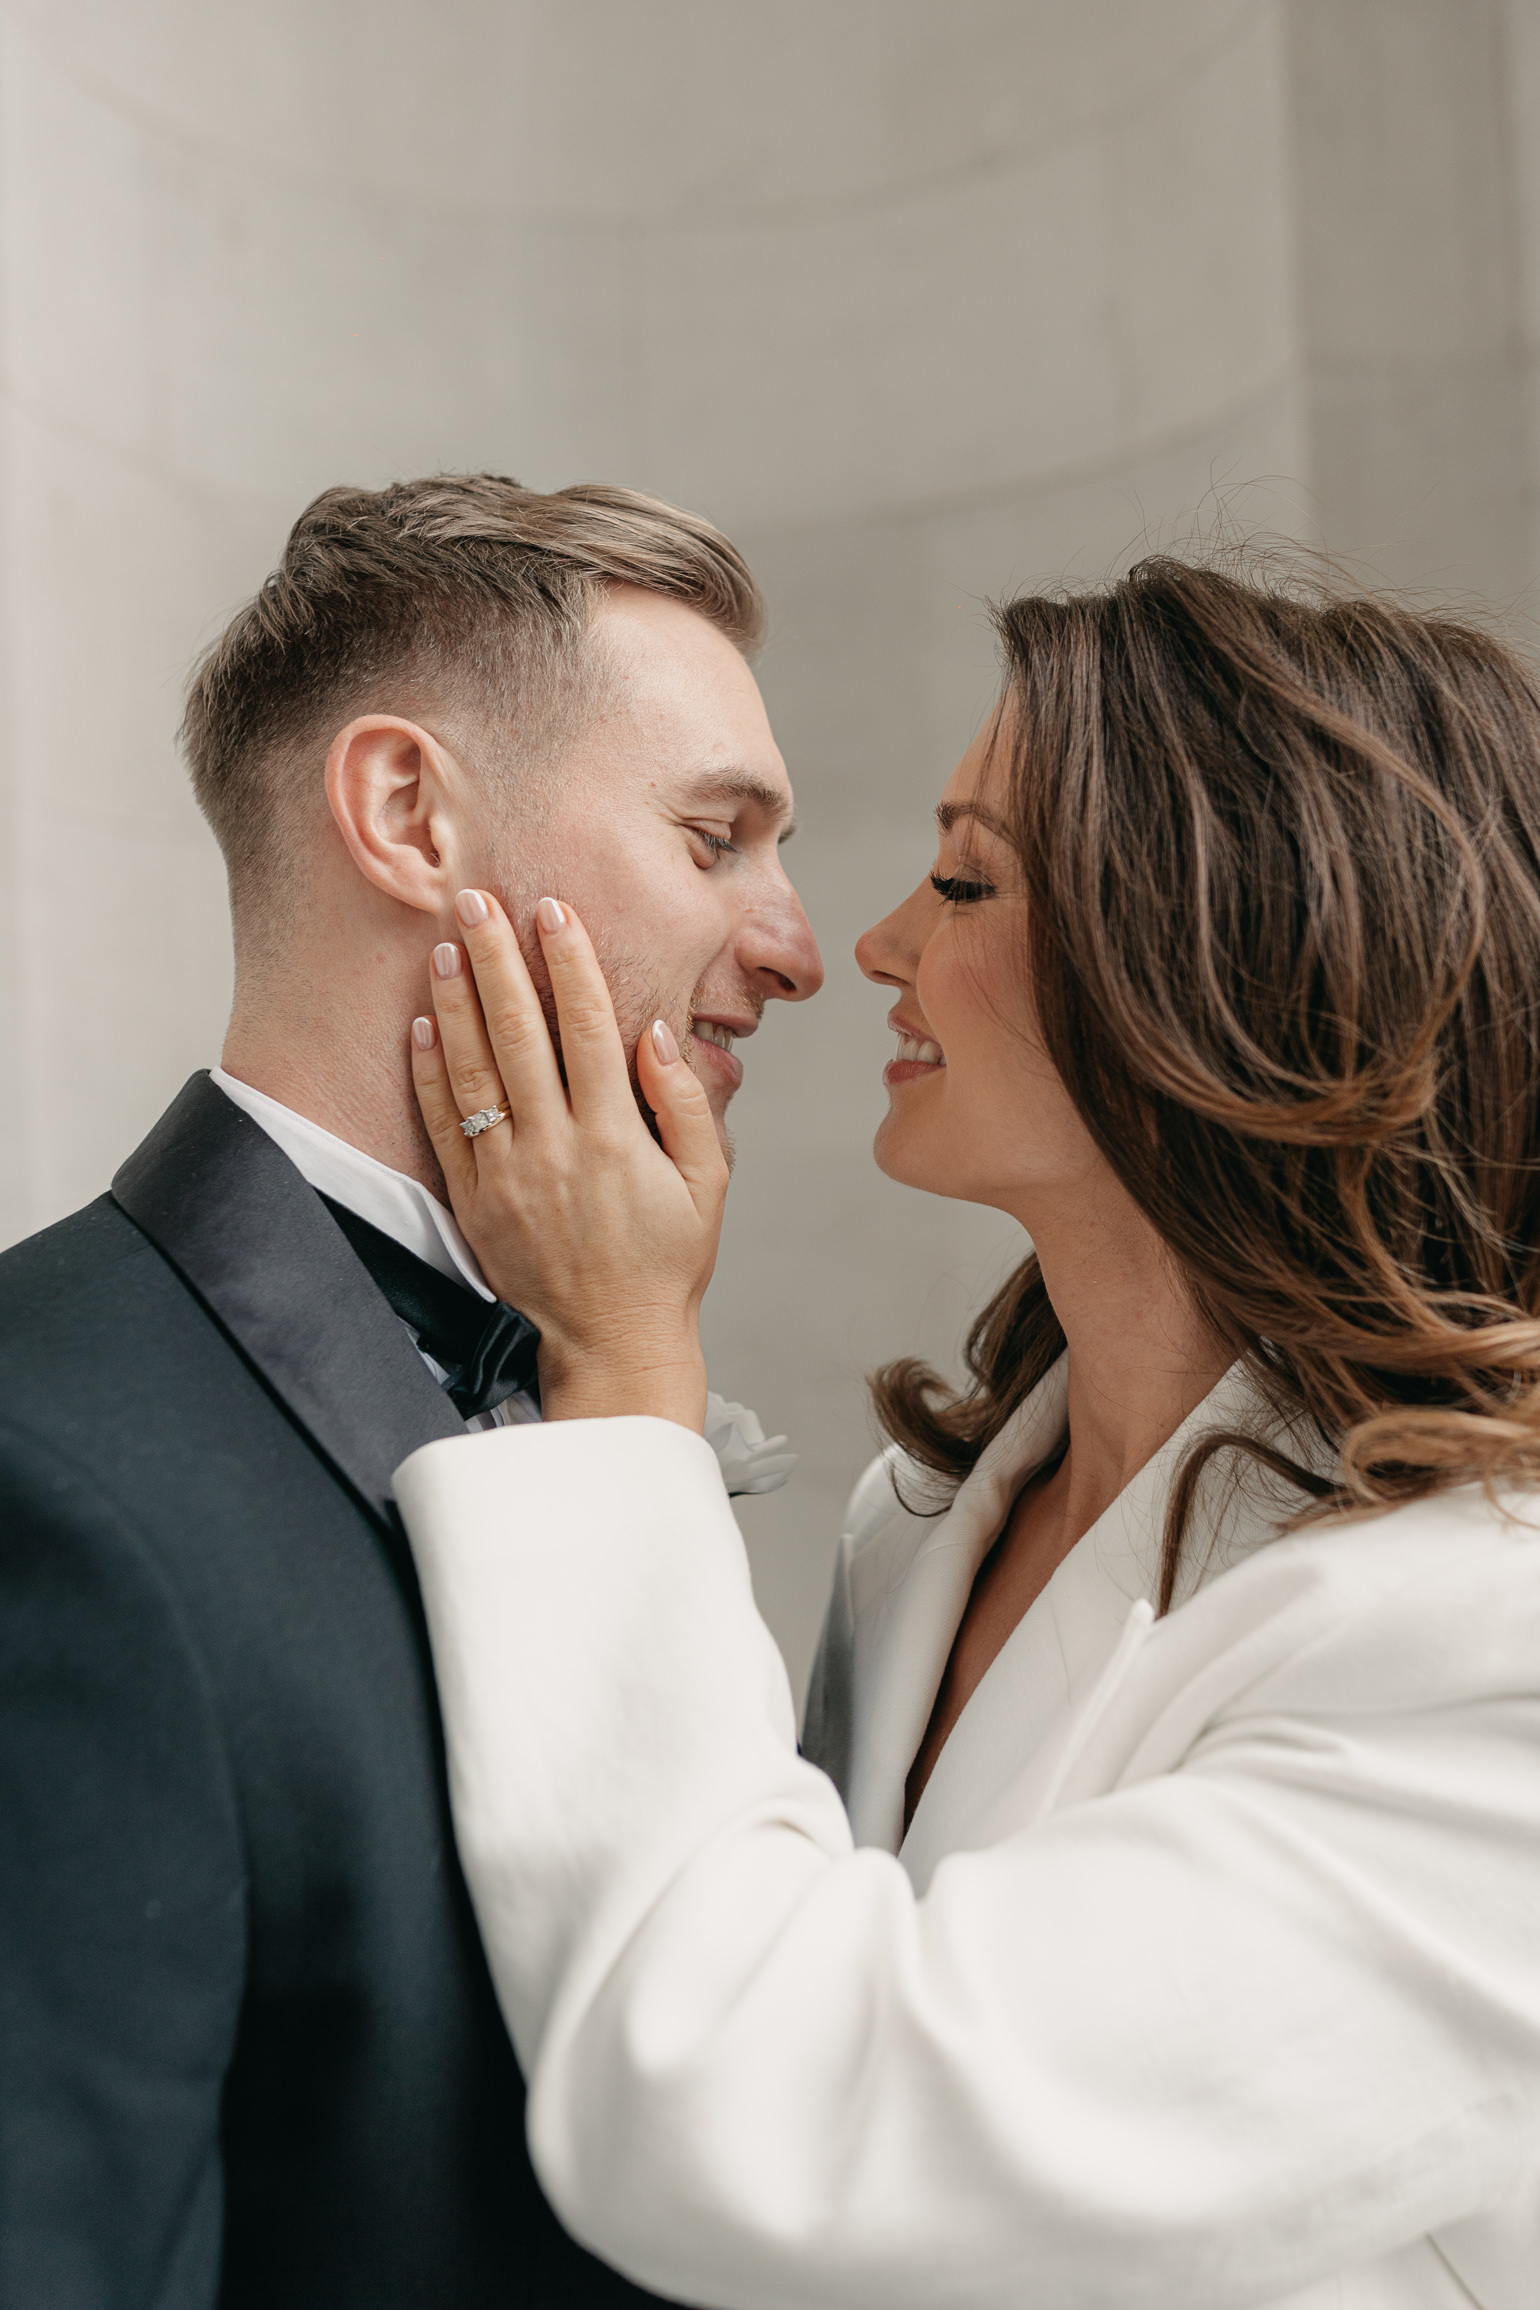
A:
{"x": 707, "y": 1031}
{"x": 927, "y": 1054}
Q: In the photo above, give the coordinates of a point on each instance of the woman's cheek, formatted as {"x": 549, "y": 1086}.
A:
{"x": 954, "y": 982}
{"x": 934, "y": 977}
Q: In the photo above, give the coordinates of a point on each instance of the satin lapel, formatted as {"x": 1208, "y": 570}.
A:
{"x": 910, "y": 1639}
{"x": 223, "y": 1203}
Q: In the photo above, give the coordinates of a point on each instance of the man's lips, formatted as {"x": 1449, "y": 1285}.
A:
{"x": 712, "y": 1038}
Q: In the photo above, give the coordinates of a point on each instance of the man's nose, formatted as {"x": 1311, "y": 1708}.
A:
{"x": 779, "y": 951}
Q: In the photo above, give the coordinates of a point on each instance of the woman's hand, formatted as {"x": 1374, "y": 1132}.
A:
{"x": 603, "y": 1238}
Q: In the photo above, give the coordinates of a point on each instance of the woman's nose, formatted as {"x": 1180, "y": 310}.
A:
{"x": 885, "y": 954}
{"x": 869, "y": 950}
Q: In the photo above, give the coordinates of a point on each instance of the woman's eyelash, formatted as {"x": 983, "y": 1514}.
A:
{"x": 717, "y": 843}
{"x": 959, "y": 892}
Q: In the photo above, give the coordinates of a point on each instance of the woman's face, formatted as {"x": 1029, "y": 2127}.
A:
{"x": 976, "y": 1109}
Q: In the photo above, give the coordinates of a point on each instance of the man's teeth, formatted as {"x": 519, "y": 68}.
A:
{"x": 928, "y": 1054}
{"x": 707, "y": 1031}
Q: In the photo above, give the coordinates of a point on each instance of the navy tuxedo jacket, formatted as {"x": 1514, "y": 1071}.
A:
{"x": 249, "y": 2052}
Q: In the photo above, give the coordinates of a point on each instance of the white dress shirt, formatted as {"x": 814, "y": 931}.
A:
{"x": 403, "y": 1209}
{"x": 399, "y": 1207}
{"x": 1208, "y": 1973}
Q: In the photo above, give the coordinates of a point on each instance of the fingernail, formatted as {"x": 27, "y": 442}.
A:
{"x": 446, "y": 961}
{"x": 551, "y": 916}
{"x": 663, "y": 1043}
{"x": 423, "y": 1031}
{"x": 472, "y": 908}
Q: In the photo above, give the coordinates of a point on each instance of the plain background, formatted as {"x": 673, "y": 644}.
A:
{"x": 920, "y": 300}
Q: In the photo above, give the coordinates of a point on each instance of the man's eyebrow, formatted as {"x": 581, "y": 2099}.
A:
{"x": 744, "y": 786}
{"x": 948, "y": 813}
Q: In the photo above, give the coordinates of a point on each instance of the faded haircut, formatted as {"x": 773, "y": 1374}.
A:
{"x": 463, "y": 597}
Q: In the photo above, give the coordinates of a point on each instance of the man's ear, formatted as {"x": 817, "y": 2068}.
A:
{"x": 389, "y": 784}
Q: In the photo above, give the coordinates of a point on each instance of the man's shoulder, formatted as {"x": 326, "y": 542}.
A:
{"x": 101, "y": 1345}
{"x": 130, "y": 1420}
{"x": 73, "y": 1274}
{"x": 95, "y": 1246}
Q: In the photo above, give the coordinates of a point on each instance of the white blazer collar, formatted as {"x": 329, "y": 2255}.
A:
{"x": 913, "y": 1636}
{"x": 1073, "y": 1628}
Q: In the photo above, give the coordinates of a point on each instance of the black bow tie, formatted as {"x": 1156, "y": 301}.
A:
{"x": 488, "y": 1350}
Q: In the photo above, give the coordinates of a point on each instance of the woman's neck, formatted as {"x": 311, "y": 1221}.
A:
{"x": 1141, "y": 1357}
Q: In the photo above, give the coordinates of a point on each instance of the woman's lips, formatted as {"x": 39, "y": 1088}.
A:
{"x": 918, "y": 1056}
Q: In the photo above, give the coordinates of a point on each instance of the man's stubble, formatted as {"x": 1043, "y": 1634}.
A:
{"x": 639, "y": 1000}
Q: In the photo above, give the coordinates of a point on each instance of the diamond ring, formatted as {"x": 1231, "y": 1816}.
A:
{"x": 483, "y": 1120}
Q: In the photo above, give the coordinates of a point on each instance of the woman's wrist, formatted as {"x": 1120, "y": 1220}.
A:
{"x": 659, "y": 1384}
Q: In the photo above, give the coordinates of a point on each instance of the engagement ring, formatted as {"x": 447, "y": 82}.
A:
{"x": 483, "y": 1120}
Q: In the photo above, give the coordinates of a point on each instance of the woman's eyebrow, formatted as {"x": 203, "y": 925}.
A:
{"x": 948, "y": 813}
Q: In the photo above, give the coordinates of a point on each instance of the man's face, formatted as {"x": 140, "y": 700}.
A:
{"x": 661, "y": 826}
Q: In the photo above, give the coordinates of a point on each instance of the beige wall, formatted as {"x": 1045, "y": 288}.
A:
{"x": 921, "y": 299}
{"x": 1410, "y": 238}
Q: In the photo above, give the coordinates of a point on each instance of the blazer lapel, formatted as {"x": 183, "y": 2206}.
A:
{"x": 229, "y": 1211}
{"x": 1034, "y": 1708}
{"x": 908, "y": 1640}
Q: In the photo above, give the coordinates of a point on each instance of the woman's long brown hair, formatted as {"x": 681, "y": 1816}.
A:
{"x": 1281, "y": 853}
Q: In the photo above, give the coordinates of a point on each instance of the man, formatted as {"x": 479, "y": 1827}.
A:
{"x": 249, "y": 2054}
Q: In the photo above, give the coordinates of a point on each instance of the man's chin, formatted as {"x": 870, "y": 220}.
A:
{"x": 718, "y": 1108}
{"x": 724, "y": 1136}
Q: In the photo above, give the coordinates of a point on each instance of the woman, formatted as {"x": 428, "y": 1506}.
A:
{"x": 1181, "y": 1944}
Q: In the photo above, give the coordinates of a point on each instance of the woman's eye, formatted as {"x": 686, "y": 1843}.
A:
{"x": 958, "y": 891}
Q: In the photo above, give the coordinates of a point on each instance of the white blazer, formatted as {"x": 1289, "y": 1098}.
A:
{"x": 1207, "y": 1976}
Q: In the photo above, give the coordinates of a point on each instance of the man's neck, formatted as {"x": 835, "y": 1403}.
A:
{"x": 365, "y": 1097}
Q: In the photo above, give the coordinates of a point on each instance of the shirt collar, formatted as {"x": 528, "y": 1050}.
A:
{"x": 400, "y": 1207}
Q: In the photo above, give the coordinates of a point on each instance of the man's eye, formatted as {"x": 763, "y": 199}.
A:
{"x": 957, "y": 891}
{"x": 717, "y": 844}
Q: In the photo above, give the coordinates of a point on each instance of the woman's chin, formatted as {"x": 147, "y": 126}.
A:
{"x": 887, "y": 1149}
{"x": 913, "y": 1158}
{"x": 903, "y": 1155}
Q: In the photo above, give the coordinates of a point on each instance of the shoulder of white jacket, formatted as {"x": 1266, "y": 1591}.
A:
{"x": 1445, "y": 1589}
{"x": 1430, "y": 1606}
{"x": 1372, "y": 1551}
{"x": 894, "y": 1490}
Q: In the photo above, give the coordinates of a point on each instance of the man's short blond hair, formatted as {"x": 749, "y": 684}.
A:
{"x": 462, "y": 597}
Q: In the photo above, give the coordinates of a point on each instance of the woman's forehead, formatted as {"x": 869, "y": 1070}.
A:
{"x": 976, "y": 787}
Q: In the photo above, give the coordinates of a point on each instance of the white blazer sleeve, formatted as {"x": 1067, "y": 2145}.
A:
{"x": 1268, "y": 2008}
